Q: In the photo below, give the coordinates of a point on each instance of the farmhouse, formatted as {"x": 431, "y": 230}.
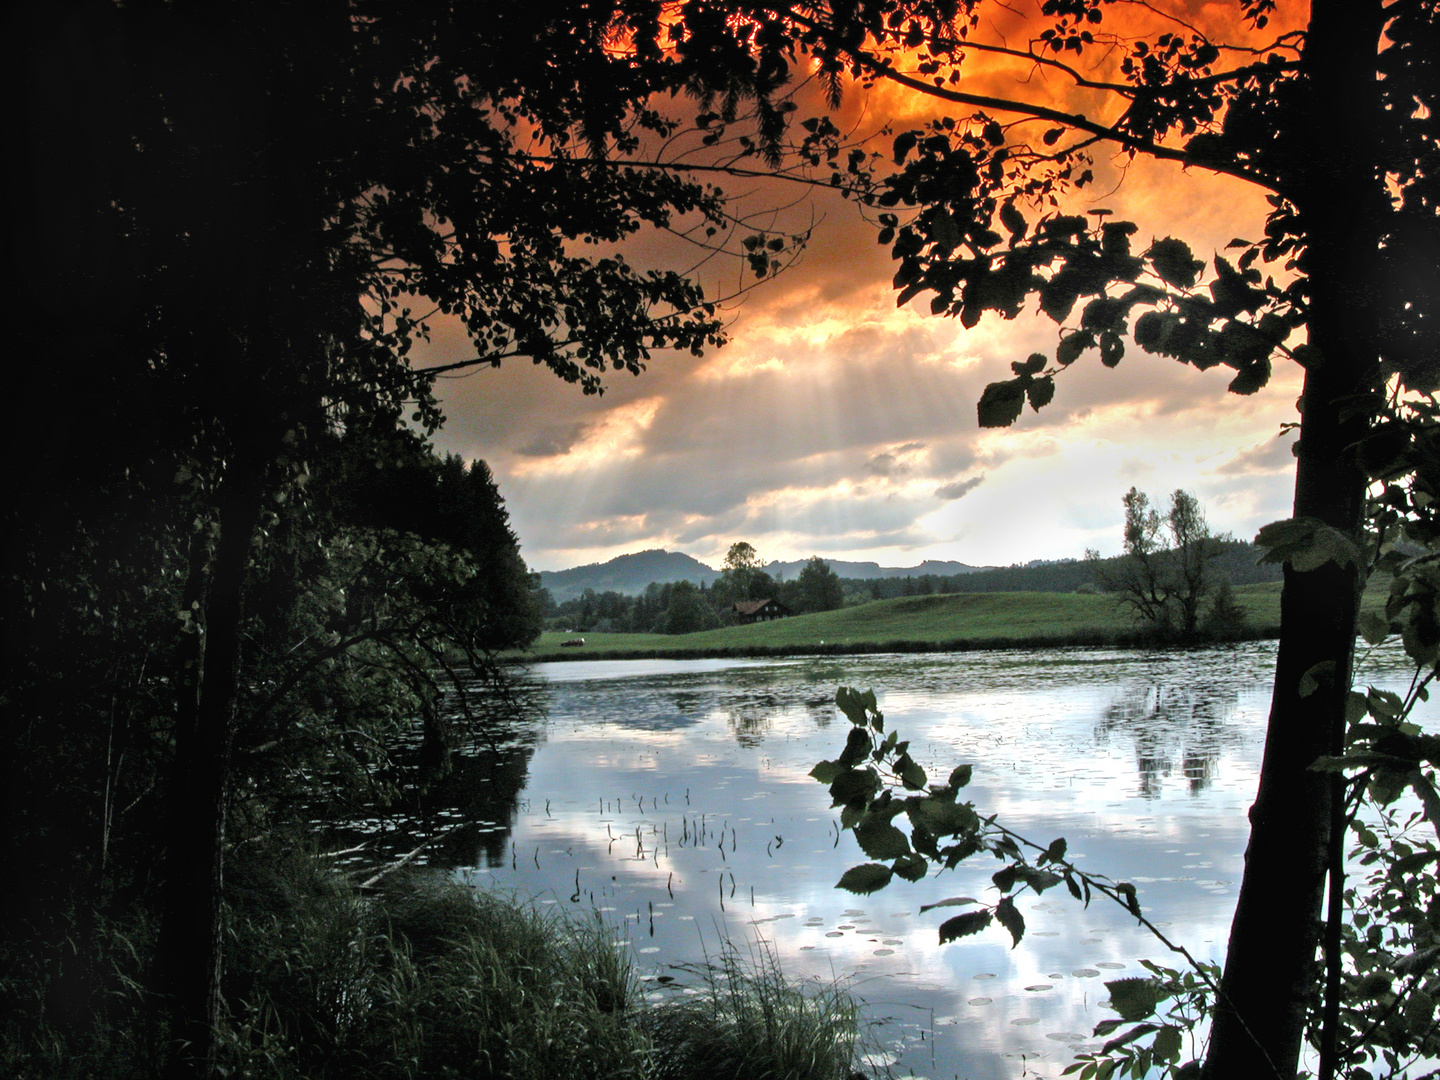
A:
{"x": 751, "y": 611}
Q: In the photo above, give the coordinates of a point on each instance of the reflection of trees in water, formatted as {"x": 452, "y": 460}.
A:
{"x": 1177, "y": 730}
{"x": 822, "y": 712}
{"x": 750, "y": 719}
{"x": 748, "y": 727}
{"x": 468, "y": 807}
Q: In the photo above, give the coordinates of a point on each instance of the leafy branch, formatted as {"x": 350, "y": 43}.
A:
{"x": 875, "y": 780}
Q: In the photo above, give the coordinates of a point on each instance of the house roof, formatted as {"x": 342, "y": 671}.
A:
{"x": 753, "y": 607}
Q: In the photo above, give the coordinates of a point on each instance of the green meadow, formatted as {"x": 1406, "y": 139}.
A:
{"x": 917, "y": 623}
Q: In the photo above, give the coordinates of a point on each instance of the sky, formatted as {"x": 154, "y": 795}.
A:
{"x": 836, "y": 424}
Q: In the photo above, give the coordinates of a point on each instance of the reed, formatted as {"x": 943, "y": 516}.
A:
{"x": 748, "y": 1021}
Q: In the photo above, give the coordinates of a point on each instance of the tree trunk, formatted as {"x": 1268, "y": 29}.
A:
{"x": 1271, "y": 970}
{"x": 191, "y": 928}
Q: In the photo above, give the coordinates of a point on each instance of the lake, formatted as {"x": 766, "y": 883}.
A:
{"x": 673, "y": 798}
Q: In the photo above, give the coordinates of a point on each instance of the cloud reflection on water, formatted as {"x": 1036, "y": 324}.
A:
{"x": 673, "y": 796}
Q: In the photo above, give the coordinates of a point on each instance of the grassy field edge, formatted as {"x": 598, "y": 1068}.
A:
{"x": 941, "y": 623}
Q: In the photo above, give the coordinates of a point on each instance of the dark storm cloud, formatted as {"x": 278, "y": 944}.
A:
{"x": 886, "y": 465}
{"x": 553, "y": 441}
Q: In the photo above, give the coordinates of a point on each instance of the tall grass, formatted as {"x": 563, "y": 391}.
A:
{"x": 75, "y": 1006}
{"x": 425, "y": 978}
{"x": 750, "y": 1022}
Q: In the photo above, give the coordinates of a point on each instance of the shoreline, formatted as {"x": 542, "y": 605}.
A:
{"x": 1124, "y": 639}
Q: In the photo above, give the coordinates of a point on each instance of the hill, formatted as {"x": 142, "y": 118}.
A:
{"x": 629, "y": 574}
{"x": 866, "y": 570}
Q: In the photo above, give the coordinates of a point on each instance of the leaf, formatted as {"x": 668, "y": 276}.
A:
{"x": 865, "y": 878}
{"x": 1056, "y": 851}
{"x": 827, "y": 771}
{"x": 1112, "y": 348}
{"x": 1013, "y": 220}
{"x": 854, "y": 787}
{"x": 941, "y": 817}
{"x": 1039, "y": 880}
{"x": 1416, "y": 963}
{"x": 1315, "y": 677}
{"x": 904, "y": 143}
{"x": 1127, "y": 891}
{"x": 857, "y": 747}
{"x": 881, "y": 840}
{"x": 1129, "y": 1037}
{"x": 1174, "y": 263}
{"x": 1135, "y": 998}
{"x": 954, "y": 901}
{"x": 1252, "y": 377}
{"x": 1167, "y": 1043}
{"x": 1306, "y": 543}
{"x": 856, "y": 705}
{"x": 911, "y": 774}
{"x": 852, "y": 704}
{"x": 1072, "y": 345}
{"x": 1356, "y": 708}
{"x": 1010, "y": 918}
{"x": 1001, "y": 403}
{"x": 960, "y": 776}
{"x": 1040, "y": 392}
{"x": 912, "y": 867}
{"x": 963, "y": 926}
{"x": 1374, "y": 627}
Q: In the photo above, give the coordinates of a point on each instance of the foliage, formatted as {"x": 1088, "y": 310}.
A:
{"x": 426, "y": 977}
{"x": 742, "y": 578}
{"x": 687, "y": 611}
{"x": 817, "y": 588}
{"x": 1332, "y": 120}
{"x": 1167, "y": 586}
{"x": 752, "y": 1023}
{"x": 260, "y": 221}
{"x": 875, "y": 781}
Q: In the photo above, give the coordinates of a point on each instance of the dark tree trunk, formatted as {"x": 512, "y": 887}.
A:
{"x": 191, "y": 928}
{"x": 1271, "y": 967}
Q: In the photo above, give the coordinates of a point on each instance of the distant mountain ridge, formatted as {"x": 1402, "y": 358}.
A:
{"x": 863, "y": 570}
{"x": 629, "y": 574}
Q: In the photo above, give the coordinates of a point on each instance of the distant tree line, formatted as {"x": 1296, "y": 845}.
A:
{"x": 1233, "y": 558}
{"x": 683, "y": 607}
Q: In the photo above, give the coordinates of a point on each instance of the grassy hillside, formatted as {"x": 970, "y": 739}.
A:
{"x": 916, "y": 622}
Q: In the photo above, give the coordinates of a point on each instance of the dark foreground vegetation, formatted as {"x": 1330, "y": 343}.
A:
{"x": 417, "y": 977}
{"x": 240, "y": 215}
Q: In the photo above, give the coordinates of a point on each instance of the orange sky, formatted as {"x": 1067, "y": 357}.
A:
{"x": 836, "y": 424}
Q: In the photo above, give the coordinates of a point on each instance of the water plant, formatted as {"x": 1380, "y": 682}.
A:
{"x": 748, "y": 1021}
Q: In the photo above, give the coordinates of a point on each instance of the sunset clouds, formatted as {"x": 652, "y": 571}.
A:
{"x": 836, "y": 424}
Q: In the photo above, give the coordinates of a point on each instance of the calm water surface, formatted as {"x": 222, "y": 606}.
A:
{"x": 672, "y": 797}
